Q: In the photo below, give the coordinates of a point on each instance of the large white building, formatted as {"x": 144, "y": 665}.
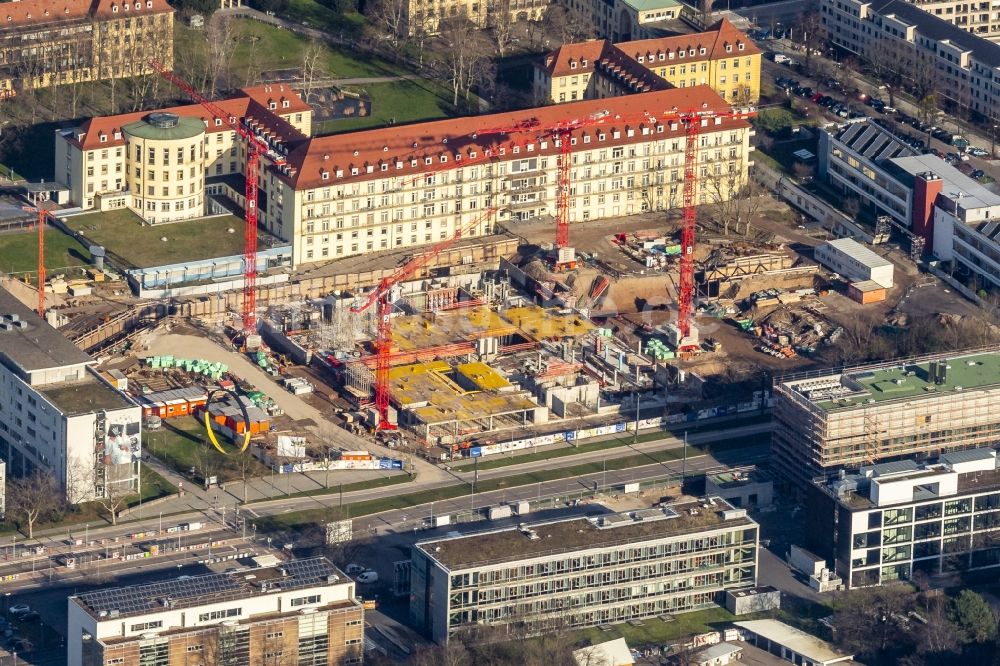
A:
{"x": 854, "y": 261}
{"x": 928, "y": 51}
{"x": 583, "y": 571}
{"x": 296, "y": 612}
{"x": 381, "y": 189}
{"x": 883, "y": 523}
{"x": 57, "y": 415}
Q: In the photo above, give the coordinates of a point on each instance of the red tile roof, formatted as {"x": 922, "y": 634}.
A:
{"x": 468, "y": 137}
{"x": 576, "y": 58}
{"x": 250, "y": 103}
{"x": 714, "y": 41}
{"x": 40, "y": 12}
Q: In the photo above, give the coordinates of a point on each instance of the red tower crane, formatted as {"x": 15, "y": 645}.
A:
{"x": 561, "y": 133}
{"x": 255, "y": 146}
{"x": 43, "y": 217}
{"x": 382, "y": 295}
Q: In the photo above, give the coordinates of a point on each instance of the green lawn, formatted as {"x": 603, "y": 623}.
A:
{"x": 318, "y": 15}
{"x": 402, "y": 102}
{"x": 154, "y": 486}
{"x": 138, "y": 245}
{"x": 180, "y": 444}
{"x": 270, "y": 47}
{"x": 19, "y": 252}
{"x": 655, "y": 631}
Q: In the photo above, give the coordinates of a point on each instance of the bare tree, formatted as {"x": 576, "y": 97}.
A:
{"x": 500, "y": 25}
{"x": 566, "y": 25}
{"x": 326, "y": 447}
{"x": 245, "y": 462}
{"x": 311, "y": 56}
{"x": 886, "y": 66}
{"x": 464, "y": 56}
{"x": 390, "y": 16}
{"x": 222, "y": 41}
{"x": 813, "y": 35}
{"x": 32, "y": 498}
{"x": 116, "y": 497}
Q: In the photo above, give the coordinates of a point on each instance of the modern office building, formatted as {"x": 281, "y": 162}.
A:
{"x": 300, "y": 612}
{"x": 360, "y": 192}
{"x": 885, "y": 522}
{"x": 930, "y": 53}
{"x": 57, "y": 415}
{"x": 826, "y": 421}
{"x": 583, "y": 571}
{"x": 52, "y": 42}
{"x": 957, "y": 218}
{"x": 722, "y": 57}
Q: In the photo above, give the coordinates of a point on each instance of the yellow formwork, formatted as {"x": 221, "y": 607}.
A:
{"x": 540, "y": 324}
{"x": 428, "y": 330}
{"x": 442, "y": 400}
{"x": 482, "y": 376}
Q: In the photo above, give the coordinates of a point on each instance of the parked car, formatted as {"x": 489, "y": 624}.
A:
{"x": 979, "y": 152}
{"x": 353, "y": 569}
{"x": 977, "y": 174}
{"x": 31, "y": 616}
{"x": 782, "y": 59}
{"x": 367, "y": 577}
{"x": 878, "y": 105}
{"x": 17, "y": 610}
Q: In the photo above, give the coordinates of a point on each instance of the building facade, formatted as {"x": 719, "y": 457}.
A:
{"x": 59, "y": 417}
{"x": 931, "y": 54}
{"x": 980, "y": 18}
{"x": 297, "y": 612}
{"x": 622, "y": 20}
{"x": 354, "y": 193}
{"x": 854, "y": 261}
{"x": 348, "y": 194}
{"x": 583, "y": 571}
{"x": 46, "y": 43}
{"x": 722, "y": 57}
{"x": 156, "y": 164}
{"x": 919, "y": 407}
{"x": 956, "y": 217}
{"x": 884, "y": 523}
{"x": 424, "y": 17}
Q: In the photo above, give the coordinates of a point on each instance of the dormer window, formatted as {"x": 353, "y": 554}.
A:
{"x": 369, "y": 169}
{"x": 218, "y": 122}
{"x": 642, "y": 59}
{"x": 114, "y": 10}
{"x": 671, "y": 55}
{"x": 384, "y": 167}
{"x": 325, "y": 175}
{"x": 149, "y": 4}
{"x": 138, "y": 6}
{"x": 661, "y": 56}
{"x": 413, "y": 163}
{"x": 340, "y": 173}
{"x": 740, "y": 46}
{"x": 444, "y": 158}
{"x": 399, "y": 165}
{"x": 702, "y": 51}
{"x": 729, "y": 48}
{"x": 272, "y": 105}
{"x": 118, "y": 135}
{"x": 584, "y": 62}
{"x": 517, "y": 149}
{"x": 681, "y": 53}
{"x": 428, "y": 161}
{"x": 285, "y": 104}
{"x": 691, "y": 52}
{"x": 125, "y": 6}
{"x": 572, "y": 64}
{"x": 104, "y": 138}
{"x": 354, "y": 171}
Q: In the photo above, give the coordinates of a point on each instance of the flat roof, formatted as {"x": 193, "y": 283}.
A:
{"x": 84, "y": 396}
{"x": 608, "y": 653}
{"x": 807, "y": 645}
{"x": 650, "y": 5}
{"x": 577, "y": 534}
{"x": 969, "y": 193}
{"x": 858, "y": 252}
{"x": 190, "y": 591}
{"x": 907, "y": 379}
{"x": 37, "y": 346}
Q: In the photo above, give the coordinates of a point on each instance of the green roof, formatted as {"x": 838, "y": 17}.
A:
{"x": 185, "y": 128}
{"x": 650, "y": 5}
{"x": 912, "y": 380}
